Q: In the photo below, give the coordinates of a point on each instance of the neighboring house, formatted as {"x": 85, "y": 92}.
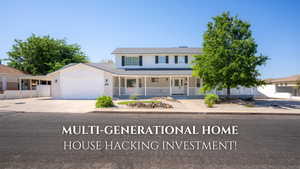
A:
{"x": 286, "y": 87}
{"x": 137, "y": 71}
{"x": 17, "y": 84}
{"x": 9, "y": 78}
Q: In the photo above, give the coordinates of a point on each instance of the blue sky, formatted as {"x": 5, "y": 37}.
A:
{"x": 100, "y": 26}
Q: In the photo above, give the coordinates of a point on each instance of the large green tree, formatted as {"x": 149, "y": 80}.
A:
{"x": 39, "y": 55}
{"x": 228, "y": 57}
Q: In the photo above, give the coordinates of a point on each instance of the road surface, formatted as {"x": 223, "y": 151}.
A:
{"x": 35, "y": 140}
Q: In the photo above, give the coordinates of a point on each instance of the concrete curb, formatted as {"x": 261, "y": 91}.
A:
{"x": 193, "y": 113}
{"x": 162, "y": 113}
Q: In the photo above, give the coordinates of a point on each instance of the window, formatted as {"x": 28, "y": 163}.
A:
{"x": 161, "y": 59}
{"x": 198, "y": 83}
{"x": 176, "y": 82}
{"x": 131, "y": 61}
{"x": 140, "y": 83}
{"x": 131, "y": 82}
{"x": 181, "y": 59}
{"x": 154, "y": 80}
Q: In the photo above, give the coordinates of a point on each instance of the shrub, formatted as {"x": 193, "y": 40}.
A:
{"x": 211, "y": 99}
{"x": 249, "y": 105}
{"x": 133, "y": 97}
{"x": 104, "y": 101}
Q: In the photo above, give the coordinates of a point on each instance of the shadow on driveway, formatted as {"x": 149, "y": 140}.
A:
{"x": 281, "y": 104}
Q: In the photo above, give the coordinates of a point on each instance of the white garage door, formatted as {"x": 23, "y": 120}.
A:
{"x": 81, "y": 82}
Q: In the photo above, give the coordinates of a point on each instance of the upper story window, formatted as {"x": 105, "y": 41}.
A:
{"x": 161, "y": 59}
{"x": 181, "y": 60}
{"x": 131, "y": 61}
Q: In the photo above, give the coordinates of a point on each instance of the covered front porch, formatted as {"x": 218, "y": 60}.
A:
{"x": 156, "y": 85}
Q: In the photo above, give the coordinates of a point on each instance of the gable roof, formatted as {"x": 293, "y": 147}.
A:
{"x": 294, "y": 78}
{"x": 179, "y": 50}
{"x": 10, "y": 70}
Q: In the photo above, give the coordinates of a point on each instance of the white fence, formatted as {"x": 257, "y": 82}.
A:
{"x": 16, "y": 94}
{"x": 42, "y": 91}
{"x": 193, "y": 91}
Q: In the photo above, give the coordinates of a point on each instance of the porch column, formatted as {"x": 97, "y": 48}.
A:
{"x": 125, "y": 85}
{"x": 188, "y": 86}
{"x": 20, "y": 84}
{"x": 170, "y": 85}
{"x": 30, "y": 84}
{"x": 137, "y": 86}
{"x": 3, "y": 81}
{"x": 119, "y": 85}
{"x": 145, "y": 85}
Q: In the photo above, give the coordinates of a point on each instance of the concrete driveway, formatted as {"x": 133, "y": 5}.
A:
{"x": 46, "y": 104}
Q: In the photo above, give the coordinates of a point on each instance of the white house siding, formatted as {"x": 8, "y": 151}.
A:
{"x": 149, "y": 61}
{"x": 108, "y": 87}
{"x": 55, "y": 85}
{"x": 81, "y": 82}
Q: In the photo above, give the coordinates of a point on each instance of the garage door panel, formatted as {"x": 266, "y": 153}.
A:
{"x": 82, "y": 83}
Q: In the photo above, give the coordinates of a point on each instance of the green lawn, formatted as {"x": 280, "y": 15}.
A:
{"x": 138, "y": 101}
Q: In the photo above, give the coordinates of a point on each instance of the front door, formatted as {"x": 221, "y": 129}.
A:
{"x": 178, "y": 86}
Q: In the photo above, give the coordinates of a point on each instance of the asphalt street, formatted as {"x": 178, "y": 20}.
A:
{"x": 35, "y": 140}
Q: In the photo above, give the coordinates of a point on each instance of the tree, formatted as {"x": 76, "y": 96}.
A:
{"x": 228, "y": 57}
{"x": 107, "y": 61}
{"x": 39, "y": 55}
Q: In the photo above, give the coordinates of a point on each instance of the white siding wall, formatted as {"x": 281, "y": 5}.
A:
{"x": 55, "y": 86}
{"x": 149, "y": 61}
{"x": 43, "y": 90}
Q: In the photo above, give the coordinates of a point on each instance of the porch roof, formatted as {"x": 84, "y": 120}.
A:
{"x": 35, "y": 77}
{"x": 143, "y": 71}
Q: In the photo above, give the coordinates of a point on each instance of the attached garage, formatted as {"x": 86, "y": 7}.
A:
{"x": 81, "y": 81}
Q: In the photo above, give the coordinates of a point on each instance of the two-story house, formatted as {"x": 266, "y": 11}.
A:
{"x": 137, "y": 71}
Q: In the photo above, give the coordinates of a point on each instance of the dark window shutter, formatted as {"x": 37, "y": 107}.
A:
{"x": 123, "y": 60}
{"x": 176, "y": 59}
{"x": 167, "y": 59}
{"x": 141, "y": 60}
{"x": 156, "y": 59}
{"x": 186, "y": 59}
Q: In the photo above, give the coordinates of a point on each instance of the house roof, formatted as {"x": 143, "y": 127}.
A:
{"x": 294, "y": 78}
{"x": 178, "y": 50}
{"x": 143, "y": 71}
{"x": 10, "y": 70}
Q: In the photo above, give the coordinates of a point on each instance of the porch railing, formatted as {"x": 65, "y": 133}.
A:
{"x": 152, "y": 91}
{"x": 165, "y": 91}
